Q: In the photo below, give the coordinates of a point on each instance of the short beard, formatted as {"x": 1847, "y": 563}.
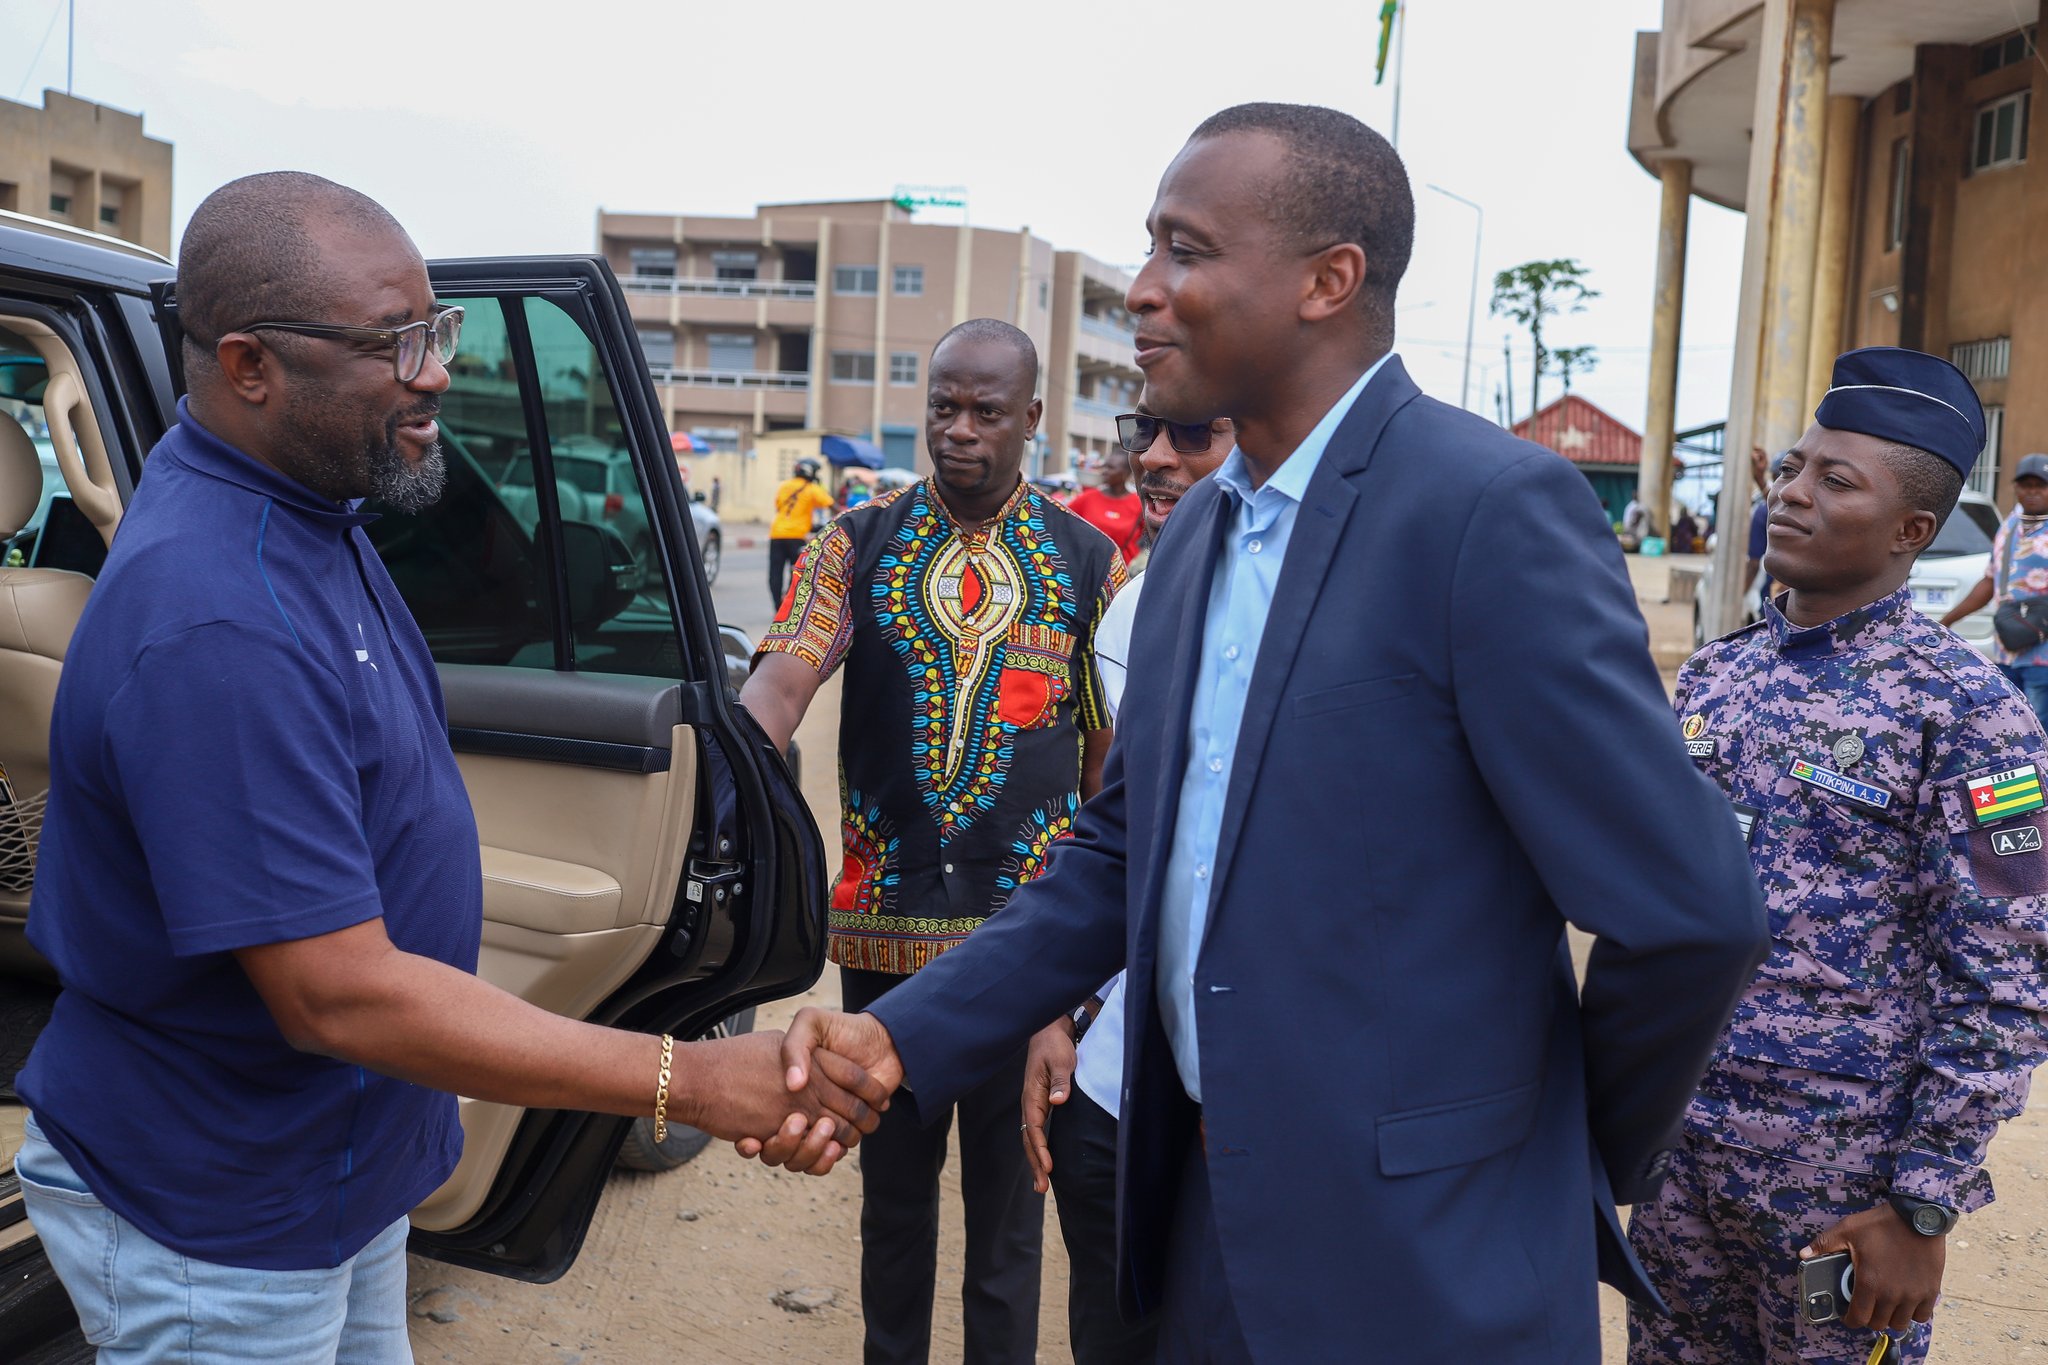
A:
{"x": 402, "y": 485}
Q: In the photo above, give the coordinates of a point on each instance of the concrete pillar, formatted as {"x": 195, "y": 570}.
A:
{"x": 884, "y": 287}
{"x": 1660, "y": 427}
{"x": 1782, "y": 411}
{"x": 1775, "y": 306}
{"x": 821, "y": 360}
{"x": 1837, "y": 226}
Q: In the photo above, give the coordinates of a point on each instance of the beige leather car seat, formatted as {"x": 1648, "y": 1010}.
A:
{"x": 39, "y": 610}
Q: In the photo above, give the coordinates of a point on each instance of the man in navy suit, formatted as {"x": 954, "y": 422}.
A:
{"x": 1410, "y": 730}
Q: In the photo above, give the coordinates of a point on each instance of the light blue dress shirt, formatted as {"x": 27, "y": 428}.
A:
{"x": 1240, "y": 599}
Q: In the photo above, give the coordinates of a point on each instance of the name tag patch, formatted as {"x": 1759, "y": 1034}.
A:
{"x": 1703, "y": 748}
{"x": 1848, "y": 788}
{"x": 2025, "y": 839}
{"x": 2012, "y": 792}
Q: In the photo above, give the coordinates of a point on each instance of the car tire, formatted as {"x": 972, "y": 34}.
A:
{"x": 642, "y": 1153}
{"x": 713, "y": 554}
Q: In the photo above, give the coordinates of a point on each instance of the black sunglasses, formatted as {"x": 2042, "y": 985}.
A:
{"x": 1135, "y": 432}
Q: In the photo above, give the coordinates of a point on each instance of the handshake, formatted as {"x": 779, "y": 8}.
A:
{"x": 798, "y": 1100}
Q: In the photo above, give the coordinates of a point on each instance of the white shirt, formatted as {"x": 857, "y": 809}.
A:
{"x": 1099, "y": 1067}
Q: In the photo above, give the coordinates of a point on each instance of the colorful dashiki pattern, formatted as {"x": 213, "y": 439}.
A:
{"x": 970, "y": 681}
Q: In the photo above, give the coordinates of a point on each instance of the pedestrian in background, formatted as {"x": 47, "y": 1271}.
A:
{"x": 1077, "y": 1062}
{"x": 797, "y": 504}
{"x": 964, "y": 608}
{"x": 1889, "y": 786}
{"x": 2016, "y": 579}
{"x": 1112, "y": 508}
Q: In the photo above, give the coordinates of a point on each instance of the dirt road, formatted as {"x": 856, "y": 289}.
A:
{"x": 684, "y": 1268}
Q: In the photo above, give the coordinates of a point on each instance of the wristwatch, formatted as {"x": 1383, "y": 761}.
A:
{"x": 1084, "y": 1015}
{"x": 1924, "y": 1216}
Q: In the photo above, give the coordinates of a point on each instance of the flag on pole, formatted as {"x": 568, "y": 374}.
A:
{"x": 1387, "y": 12}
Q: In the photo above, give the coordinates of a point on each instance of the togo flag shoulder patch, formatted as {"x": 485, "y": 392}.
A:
{"x": 2012, "y": 792}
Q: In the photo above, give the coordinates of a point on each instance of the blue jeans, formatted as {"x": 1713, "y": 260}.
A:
{"x": 141, "y": 1302}
{"x": 2032, "y": 681}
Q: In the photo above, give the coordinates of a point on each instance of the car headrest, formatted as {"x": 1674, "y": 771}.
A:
{"x": 21, "y": 477}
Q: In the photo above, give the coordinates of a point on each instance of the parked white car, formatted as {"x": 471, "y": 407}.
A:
{"x": 1956, "y": 562}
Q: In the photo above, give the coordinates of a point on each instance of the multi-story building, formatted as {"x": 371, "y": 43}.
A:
{"x": 1880, "y": 149}
{"x": 73, "y": 161}
{"x": 822, "y": 316}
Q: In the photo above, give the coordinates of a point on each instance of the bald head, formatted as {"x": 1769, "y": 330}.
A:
{"x": 252, "y": 252}
{"x": 983, "y": 335}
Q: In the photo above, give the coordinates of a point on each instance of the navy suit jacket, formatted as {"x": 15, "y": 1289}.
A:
{"x": 1455, "y": 744}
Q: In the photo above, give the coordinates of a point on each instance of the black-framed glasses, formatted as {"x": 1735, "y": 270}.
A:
{"x": 1136, "y": 431}
{"x": 409, "y": 344}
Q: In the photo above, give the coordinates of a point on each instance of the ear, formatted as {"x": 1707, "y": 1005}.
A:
{"x": 1916, "y": 529}
{"x": 247, "y": 367}
{"x": 1031, "y": 416}
{"x": 1338, "y": 273}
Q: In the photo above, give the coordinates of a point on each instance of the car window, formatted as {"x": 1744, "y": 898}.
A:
{"x": 469, "y": 566}
{"x": 592, "y": 457}
{"x": 1984, "y": 514}
{"x": 23, "y": 374}
{"x": 1961, "y": 534}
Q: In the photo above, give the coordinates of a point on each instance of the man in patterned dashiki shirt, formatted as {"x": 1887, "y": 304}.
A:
{"x": 972, "y": 726}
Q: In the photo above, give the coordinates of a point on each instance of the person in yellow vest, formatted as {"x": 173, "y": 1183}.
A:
{"x": 797, "y": 502}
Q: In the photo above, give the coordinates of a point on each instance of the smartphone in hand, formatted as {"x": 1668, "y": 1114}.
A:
{"x": 1825, "y": 1284}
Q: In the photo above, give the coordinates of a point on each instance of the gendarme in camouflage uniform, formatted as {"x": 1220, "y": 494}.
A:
{"x": 1890, "y": 777}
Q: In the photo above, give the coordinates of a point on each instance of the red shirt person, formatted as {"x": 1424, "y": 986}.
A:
{"x": 1114, "y": 509}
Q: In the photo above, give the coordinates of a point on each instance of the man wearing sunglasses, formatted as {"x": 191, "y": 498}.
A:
{"x": 1074, "y": 1150}
{"x": 259, "y": 881}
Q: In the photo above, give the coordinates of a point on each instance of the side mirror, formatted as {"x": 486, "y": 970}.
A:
{"x": 696, "y": 497}
{"x": 599, "y": 572}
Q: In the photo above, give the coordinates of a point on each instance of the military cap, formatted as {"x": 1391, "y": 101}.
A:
{"x": 1909, "y": 398}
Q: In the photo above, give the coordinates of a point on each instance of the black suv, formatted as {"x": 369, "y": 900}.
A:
{"x": 647, "y": 860}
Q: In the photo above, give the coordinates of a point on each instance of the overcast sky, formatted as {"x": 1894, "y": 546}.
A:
{"x": 496, "y": 129}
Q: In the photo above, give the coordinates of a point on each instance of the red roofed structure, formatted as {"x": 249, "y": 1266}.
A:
{"x": 1599, "y": 445}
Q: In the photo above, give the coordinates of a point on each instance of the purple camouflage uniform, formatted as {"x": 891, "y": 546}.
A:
{"x": 1890, "y": 778}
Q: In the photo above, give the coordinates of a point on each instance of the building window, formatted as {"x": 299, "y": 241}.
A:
{"x": 110, "y": 215}
{"x": 9, "y": 195}
{"x": 2002, "y": 132}
{"x": 903, "y": 367}
{"x": 658, "y": 344}
{"x": 909, "y": 279}
{"x": 656, "y": 261}
{"x": 856, "y": 279}
{"x": 61, "y": 203}
{"x": 1984, "y": 478}
{"x": 2000, "y": 53}
{"x": 1983, "y": 361}
{"x": 730, "y": 352}
{"x": 1902, "y": 175}
{"x": 1044, "y": 294}
{"x": 853, "y": 367}
{"x": 736, "y": 265}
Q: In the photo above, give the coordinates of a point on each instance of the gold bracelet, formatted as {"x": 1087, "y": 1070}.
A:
{"x": 668, "y": 1056}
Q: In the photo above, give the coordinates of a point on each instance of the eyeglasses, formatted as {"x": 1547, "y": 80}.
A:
{"x": 1136, "y": 431}
{"x": 409, "y": 344}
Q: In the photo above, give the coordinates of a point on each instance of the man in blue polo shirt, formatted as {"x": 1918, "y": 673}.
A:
{"x": 259, "y": 879}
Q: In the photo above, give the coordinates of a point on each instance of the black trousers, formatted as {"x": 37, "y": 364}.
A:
{"x": 1082, "y": 1135}
{"x": 782, "y": 555}
{"x": 1199, "y": 1321}
{"x": 899, "y": 1218}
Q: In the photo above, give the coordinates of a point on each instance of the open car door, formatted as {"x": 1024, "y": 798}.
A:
{"x": 647, "y": 861}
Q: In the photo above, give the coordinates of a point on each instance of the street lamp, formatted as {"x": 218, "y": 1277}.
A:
{"x": 1472, "y": 308}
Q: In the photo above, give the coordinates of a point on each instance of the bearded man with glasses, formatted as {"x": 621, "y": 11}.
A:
{"x": 259, "y": 882}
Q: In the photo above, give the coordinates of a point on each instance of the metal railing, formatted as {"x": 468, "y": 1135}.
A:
{"x": 731, "y": 379}
{"x": 1107, "y": 330}
{"x": 730, "y": 289}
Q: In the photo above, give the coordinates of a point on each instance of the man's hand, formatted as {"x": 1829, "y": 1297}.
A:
{"x": 737, "y": 1089}
{"x": 829, "y": 1042}
{"x": 1048, "y": 1078}
{"x": 1898, "y": 1271}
